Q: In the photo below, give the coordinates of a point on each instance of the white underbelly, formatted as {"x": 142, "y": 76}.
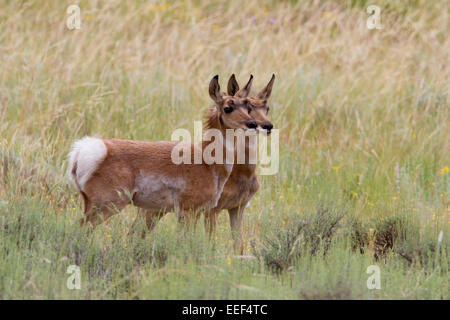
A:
{"x": 157, "y": 192}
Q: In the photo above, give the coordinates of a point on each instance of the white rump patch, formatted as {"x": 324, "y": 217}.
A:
{"x": 87, "y": 153}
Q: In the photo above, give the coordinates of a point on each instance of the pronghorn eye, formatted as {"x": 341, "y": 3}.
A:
{"x": 228, "y": 109}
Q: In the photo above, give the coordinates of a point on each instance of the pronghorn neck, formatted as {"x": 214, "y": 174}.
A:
{"x": 244, "y": 168}
{"x": 213, "y": 121}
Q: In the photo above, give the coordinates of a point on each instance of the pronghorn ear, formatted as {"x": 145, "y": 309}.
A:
{"x": 243, "y": 93}
{"x": 233, "y": 86}
{"x": 267, "y": 90}
{"x": 214, "y": 90}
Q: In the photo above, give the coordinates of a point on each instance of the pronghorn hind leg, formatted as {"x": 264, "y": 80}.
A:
{"x": 96, "y": 214}
{"x": 97, "y": 211}
{"x": 87, "y": 207}
{"x": 211, "y": 222}
{"x": 236, "y": 216}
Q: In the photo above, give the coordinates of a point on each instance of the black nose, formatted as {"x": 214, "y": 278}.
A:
{"x": 267, "y": 125}
{"x": 251, "y": 124}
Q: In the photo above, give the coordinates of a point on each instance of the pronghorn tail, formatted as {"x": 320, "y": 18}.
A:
{"x": 84, "y": 159}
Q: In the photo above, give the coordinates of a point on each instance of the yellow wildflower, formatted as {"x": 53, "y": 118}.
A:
{"x": 164, "y": 6}
{"x": 327, "y": 14}
{"x": 153, "y": 8}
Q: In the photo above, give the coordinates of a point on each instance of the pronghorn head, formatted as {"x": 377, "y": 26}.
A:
{"x": 233, "y": 110}
{"x": 258, "y": 104}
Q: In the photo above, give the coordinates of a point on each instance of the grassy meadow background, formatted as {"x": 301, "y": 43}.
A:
{"x": 364, "y": 153}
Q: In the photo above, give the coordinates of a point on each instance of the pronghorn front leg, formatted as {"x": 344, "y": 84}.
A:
{"x": 151, "y": 219}
{"x": 236, "y": 216}
{"x": 187, "y": 218}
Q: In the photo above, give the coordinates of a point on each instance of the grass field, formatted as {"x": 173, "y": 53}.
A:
{"x": 364, "y": 146}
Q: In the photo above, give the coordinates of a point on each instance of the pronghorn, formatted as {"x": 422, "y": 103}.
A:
{"x": 242, "y": 183}
{"x": 112, "y": 173}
